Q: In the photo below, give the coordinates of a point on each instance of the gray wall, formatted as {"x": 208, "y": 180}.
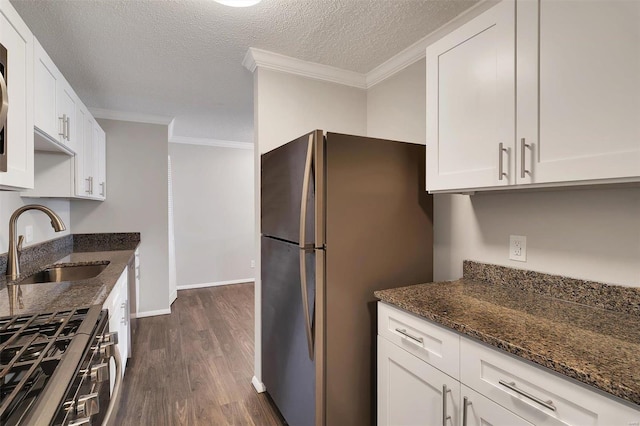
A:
{"x": 394, "y": 104}
{"x": 137, "y": 199}
{"x": 42, "y": 230}
{"x": 583, "y": 233}
{"x": 213, "y": 213}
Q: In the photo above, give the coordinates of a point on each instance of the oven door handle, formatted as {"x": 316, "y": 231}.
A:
{"x": 112, "y": 410}
{"x": 4, "y": 98}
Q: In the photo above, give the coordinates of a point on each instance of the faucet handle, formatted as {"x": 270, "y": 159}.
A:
{"x": 20, "y": 241}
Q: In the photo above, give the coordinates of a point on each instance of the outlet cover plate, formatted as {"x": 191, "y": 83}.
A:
{"x": 518, "y": 248}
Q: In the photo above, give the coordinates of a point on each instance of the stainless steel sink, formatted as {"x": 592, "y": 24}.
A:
{"x": 62, "y": 273}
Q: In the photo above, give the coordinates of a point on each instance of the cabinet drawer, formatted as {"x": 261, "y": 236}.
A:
{"x": 482, "y": 411}
{"x": 535, "y": 394}
{"x": 424, "y": 339}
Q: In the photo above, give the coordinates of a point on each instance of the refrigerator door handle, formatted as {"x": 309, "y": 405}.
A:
{"x": 303, "y": 247}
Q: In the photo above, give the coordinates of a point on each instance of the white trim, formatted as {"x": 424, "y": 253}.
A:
{"x": 255, "y": 58}
{"x": 258, "y": 385}
{"x": 215, "y": 284}
{"x": 417, "y": 50}
{"x": 151, "y": 313}
{"x": 136, "y": 117}
{"x": 210, "y": 142}
{"x": 274, "y": 61}
{"x": 173, "y": 296}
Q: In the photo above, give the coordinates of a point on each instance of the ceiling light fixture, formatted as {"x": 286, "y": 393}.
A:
{"x": 238, "y": 3}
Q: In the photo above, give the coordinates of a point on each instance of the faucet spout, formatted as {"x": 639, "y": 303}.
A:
{"x": 13, "y": 256}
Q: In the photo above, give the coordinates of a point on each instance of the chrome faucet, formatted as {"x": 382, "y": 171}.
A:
{"x": 13, "y": 257}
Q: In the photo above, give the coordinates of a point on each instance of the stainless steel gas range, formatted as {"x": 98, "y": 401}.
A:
{"x": 54, "y": 369}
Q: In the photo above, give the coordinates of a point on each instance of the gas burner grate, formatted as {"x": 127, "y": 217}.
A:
{"x": 31, "y": 347}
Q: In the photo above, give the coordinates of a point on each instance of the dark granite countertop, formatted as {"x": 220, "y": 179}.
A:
{"x": 596, "y": 346}
{"x": 117, "y": 249}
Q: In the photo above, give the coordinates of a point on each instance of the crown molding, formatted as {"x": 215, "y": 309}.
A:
{"x": 417, "y": 50}
{"x": 136, "y": 117}
{"x": 255, "y": 58}
{"x": 210, "y": 142}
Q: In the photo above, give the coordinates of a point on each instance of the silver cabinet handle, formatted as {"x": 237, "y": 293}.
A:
{"x": 465, "y": 404}
{"x": 62, "y": 131}
{"x": 445, "y": 416}
{"x": 403, "y": 331}
{"x": 4, "y": 106}
{"x": 303, "y": 247}
{"x": 89, "y": 189}
{"x": 512, "y": 385}
{"x": 109, "y": 417}
{"x": 523, "y": 170}
{"x": 102, "y": 184}
{"x": 123, "y": 306}
{"x": 66, "y": 129}
{"x": 501, "y": 151}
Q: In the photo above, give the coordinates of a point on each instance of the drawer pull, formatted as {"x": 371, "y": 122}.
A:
{"x": 512, "y": 385}
{"x": 445, "y": 416}
{"x": 414, "y": 338}
{"x": 465, "y": 404}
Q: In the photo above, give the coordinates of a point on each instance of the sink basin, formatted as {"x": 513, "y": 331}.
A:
{"x": 57, "y": 274}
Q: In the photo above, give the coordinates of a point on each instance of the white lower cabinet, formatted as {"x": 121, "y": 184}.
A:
{"x": 493, "y": 387}
{"x": 117, "y": 304}
{"x": 412, "y": 392}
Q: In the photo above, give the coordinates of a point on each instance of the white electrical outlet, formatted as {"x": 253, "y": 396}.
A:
{"x": 518, "y": 248}
{"x": 253, "y": 263}
{"x": 28, "y": 234}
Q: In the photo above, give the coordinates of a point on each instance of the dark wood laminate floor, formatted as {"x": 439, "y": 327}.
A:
{"x": 194, "y": 367}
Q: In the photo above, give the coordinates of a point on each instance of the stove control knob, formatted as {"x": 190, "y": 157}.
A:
{"x": 88, "y": 405}
{"x": 100, "y": 373}
{"x": 109, "y": 338}
{"x": 81, "y": 422}
{"x": 106, "y": 349}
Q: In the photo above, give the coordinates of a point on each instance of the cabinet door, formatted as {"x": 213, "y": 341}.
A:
{"x": 46, "y": 81}
{"x": 481, "y": 411}
{"x": 411, "y": 392}
{"x": 583, "y": 118}
{"x": 99, "y": 163}
{"x": 87, "y": 158}
{"x": 18, "y": 40}
{"x": 81, "y": 119}
{"x": 121, "y": 311}
{"x": 471, "y": 103}
{"x": 67, "y": 114}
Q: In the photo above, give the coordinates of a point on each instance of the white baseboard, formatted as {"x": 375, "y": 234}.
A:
{"x": 258, "y": 385}
{"x": 173, "y": 297}
{"x": 151, "y": 313}
{"x": 215, "y": 284}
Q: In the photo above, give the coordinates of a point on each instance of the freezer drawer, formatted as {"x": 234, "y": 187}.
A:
{"x": 288, "y": 372}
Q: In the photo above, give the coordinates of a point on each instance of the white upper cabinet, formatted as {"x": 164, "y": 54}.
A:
{"x": 579, "y": 89}
{"x": 18, "y": 143}
{"x": 45, "y": 84}
{"x": 55, "y": 101}
{"x": 556, "y": 82}
{"x": 471, "y": 102}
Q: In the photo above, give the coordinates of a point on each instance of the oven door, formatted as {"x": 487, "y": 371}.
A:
{"x": 89, "y": 400}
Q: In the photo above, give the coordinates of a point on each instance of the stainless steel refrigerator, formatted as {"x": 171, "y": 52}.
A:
{"x": 341, "y": 216}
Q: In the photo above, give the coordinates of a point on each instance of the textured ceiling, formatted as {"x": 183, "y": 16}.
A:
{"x": 183, "y": 58}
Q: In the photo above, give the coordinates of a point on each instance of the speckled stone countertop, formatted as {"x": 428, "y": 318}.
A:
{"x": 79, "y": 249}
{"x": 516, "y": 312}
